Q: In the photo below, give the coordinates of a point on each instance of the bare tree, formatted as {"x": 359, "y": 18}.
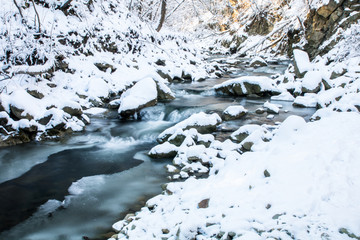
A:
{"x": 163, "y": 14}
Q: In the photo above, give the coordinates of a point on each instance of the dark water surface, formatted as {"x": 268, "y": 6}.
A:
{"x": 79, "y": 186}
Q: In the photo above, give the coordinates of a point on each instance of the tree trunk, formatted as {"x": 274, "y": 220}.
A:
{"x": 162, "y": 17}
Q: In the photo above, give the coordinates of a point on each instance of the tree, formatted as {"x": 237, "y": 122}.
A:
{"x": 162, "y": 17}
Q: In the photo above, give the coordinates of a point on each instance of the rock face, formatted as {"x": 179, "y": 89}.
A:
{"x": 323, "y": 22}
{"x": 247, "y": 85}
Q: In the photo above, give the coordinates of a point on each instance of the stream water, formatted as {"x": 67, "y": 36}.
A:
{"x": 79, "y": 187}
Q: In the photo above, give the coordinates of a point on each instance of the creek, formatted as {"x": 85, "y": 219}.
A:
{"x": 78, "y": 187}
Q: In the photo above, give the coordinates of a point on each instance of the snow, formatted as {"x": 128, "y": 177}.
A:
{"x": 197, "y": 119}
{"x": 265, "y": 83}
{"x": 284, "y": 96}
{"x": 139, "y": 95}
{"x": 309, "y": 100}
{"x": 311, "y": 80}
{"x": 302, "y": 61}
{"x": 273, "y": 108}
{"x": 315, "y": 189}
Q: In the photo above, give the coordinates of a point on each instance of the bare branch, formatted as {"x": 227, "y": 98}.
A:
{"x": 37, "y": 15}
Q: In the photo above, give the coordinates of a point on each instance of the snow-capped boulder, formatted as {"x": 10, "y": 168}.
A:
{"x": 309, "y": 100}
{"x": 311, "y": 82}
{"x": 202, "y": 122}
{"x": 164, "y": 150}
{"x": 244, "y": 131}
{"x": 271, "y": 108}
{"x": 258, "y": 62}
{"x": 248, "y": 85}
{"x": 301, "y": 62}
{"x": 284, "y": 96}
{"x": 234, "y": 112}
{"x": 164, "y": 92}
{"x": 143, "y": 94}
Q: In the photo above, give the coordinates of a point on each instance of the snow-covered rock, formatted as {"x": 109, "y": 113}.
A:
{"x": 309, "y": 100}
{"x": 234, "y": 112}
{"x": 202, "y": 122}
{"x": 284, "y": 96}
{"x": 301, "y": 62}
{"x": 311, "y": 82}
{"x": 271, "y": 107}
{"x": 164, "y": 150}
{"x": 143, "y": 94}
{"x": 244, "y": 131}
{"x": 247, "y": 85}
{"x": 258, "y": 62}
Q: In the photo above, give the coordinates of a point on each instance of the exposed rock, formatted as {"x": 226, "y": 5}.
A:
{"x": 164, "y": 92}
{"x": 259, "y": 111}
{"x": 266, "y": 173}
{"x": 114, "y": 104}
{"x": 45, "y": 120}
{"x": 35, "y": 93}
{"x": 18, "y": 113}
{"x": 160, "y": 62}
{"x": 143, "y": 94}
{"x": 202, "y": 122}
{"x": 74, "y": 110}
{"x": 204, "y": 203}
{"x": 326, "y": 10}
{"x": 164, "y": 150}
{"x": 260, "y": 25}
{"x": 105, "y": 66}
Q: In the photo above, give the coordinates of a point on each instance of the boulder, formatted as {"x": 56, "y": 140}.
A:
{"x": 234, "y": 112}
{"x": 302, "y": 63}
{"x": 164, "y": 92}
{"x": 73, "y": 109}
{"x": 258, "y": 62}
{"x": 271, "y": 108}
{"x": 202, "y": 122}
{"x": 327, "y": 9}
{"x": 244, "y": 131}
{"x": 35, "y": 93}
{"x": 19, "y": 112}
{"x": 311, "y": 83}
{"x": 247, "y": 85}
{"x": 164, "y": 150}
{"x": 143, "y": 94}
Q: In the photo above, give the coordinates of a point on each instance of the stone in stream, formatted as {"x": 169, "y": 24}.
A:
{"x": 234, "y": 112}
{"x": 302, "y": 63}
{"x": 248, "y": 85}
{"x": 202, "y": 122}
{"x": 143, "y": 94}
{"x": 258, "y": 62}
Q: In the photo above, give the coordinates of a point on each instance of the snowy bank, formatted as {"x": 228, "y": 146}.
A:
{"x": 290, "y": 188}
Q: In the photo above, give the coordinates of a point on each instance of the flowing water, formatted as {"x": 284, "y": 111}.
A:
{"x": 78, "y": 187}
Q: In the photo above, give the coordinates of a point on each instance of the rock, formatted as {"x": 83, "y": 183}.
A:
{"x": 35, "y": 93}
{"x": 266, "y": 173}
{"x": 164, "y": 75}
{"x": 177, "y": 138}
{"x": 234, "y": 112}
{"x": 244, "y": 131}
{"x": 309, "y": 100}
{"x": 186, "y": 77}
{"x": 105, "y": 66}
{"x": 302, "y": 63}
{"x": 259, "y": 111}
{"x": 160, "y": 62}
{"x": 164, "y": 92}
{"x": 143, "y": 94}
{"x": 258, "y": 62}
{"x": 45, "y": 120}
{"x": 204, "y": 203}
{"x": 248, "y": 85}
{"x": 311, "y": 82}
{"x": 18, "y": 113}
{"x": 114, "y": 104}
{"x": 326, "y": 10}
{"x": 164, "y": 150}
{"x": 246, "y": 146}
{"x": 73, "y": 110}
{"x": 202, "y": 122}
{"x": 260, "y": 25}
